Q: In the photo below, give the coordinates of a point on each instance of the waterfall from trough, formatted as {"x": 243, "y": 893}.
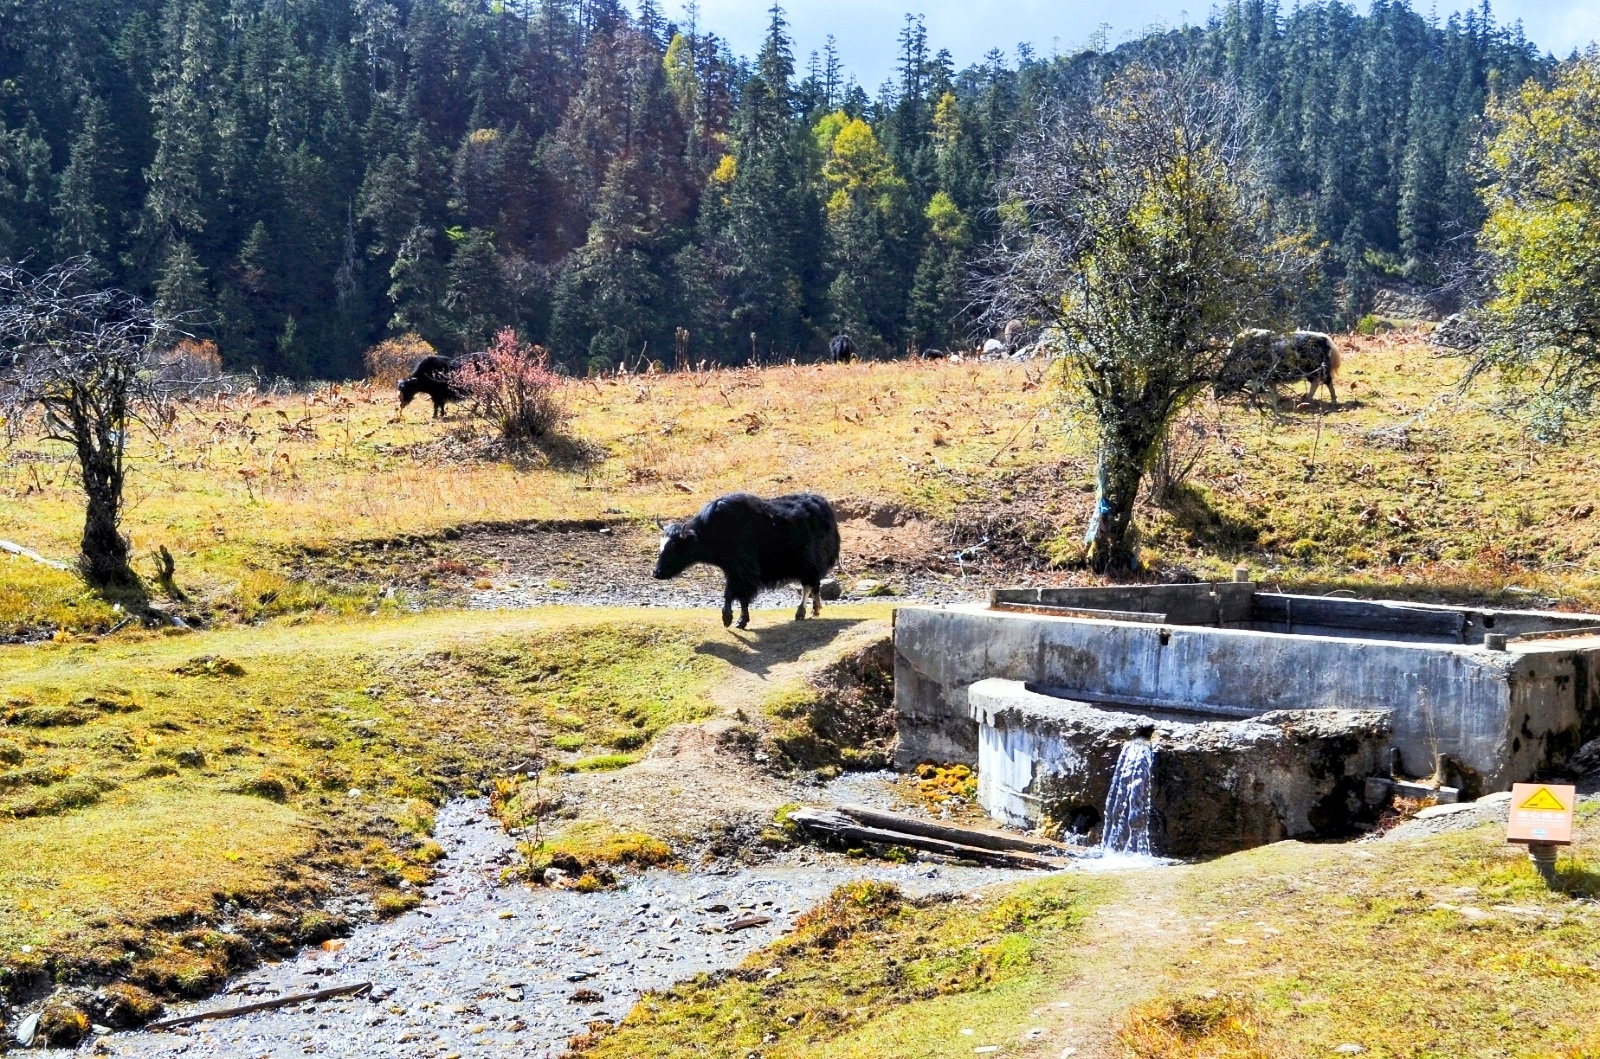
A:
{"x": 1127, "y": 821}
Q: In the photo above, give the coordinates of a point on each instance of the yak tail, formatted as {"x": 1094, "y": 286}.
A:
{"x": 1333, "y": 358}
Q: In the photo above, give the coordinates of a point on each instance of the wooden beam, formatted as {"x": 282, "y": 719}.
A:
{"x": 832, "y": 823}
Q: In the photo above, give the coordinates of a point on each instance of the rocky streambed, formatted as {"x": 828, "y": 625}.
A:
{"x": 482, "y": 966}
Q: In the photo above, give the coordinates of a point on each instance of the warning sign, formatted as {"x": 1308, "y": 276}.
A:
{"x": 1541, "y": 812}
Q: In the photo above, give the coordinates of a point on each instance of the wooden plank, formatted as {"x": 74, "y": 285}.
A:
{"x": 834, "y": 824}
{"x": 967, "y": 836}
{"x": 1374, "y": 616}
{"x": 1143, "y": 617}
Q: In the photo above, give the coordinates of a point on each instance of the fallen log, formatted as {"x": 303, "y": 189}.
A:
{"x": 835, "y": 824}
{"x": 264, "y": 1005}
{"x": 29, "y": 553}
{"x": 966, "y": 836}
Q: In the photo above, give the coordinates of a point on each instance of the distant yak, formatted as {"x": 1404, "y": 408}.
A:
{"x": 842, "y": 349}
{"x": 433, "y": 376}
{"x": 757, "y": 544}
{"x": 1261, "y": 361}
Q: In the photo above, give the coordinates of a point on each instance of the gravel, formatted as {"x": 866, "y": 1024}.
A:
{"x": 489, "y": 967}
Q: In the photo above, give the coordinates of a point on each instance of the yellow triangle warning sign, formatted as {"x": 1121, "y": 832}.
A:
{"x": 1543, "y": 799}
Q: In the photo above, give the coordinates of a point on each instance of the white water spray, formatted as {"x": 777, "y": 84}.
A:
{"x": 1127, "y": 822}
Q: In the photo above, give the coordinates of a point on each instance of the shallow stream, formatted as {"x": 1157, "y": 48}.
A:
{"x": 483, "y": 966}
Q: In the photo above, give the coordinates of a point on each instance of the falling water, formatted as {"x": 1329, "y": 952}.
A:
{"x": 1127, "y": 823}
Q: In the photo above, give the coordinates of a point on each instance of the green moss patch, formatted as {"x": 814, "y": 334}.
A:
{"x": 871, "y": 973}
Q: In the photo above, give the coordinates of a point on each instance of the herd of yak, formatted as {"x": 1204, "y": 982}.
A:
{"x": 763, "y": 544}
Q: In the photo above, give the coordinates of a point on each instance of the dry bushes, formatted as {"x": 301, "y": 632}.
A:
{"x": 393, "y": 359}
{"x": 514, "y": 388}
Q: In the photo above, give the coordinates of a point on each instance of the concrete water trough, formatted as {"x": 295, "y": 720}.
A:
{"x": 1267, "y": 711}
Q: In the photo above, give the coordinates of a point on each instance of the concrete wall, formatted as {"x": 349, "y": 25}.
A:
{"x": 1502, "y": 714}
{"x": 1215, "y": 787}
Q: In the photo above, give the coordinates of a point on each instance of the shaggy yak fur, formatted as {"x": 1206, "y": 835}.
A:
{"x": 432, "y": 377}
{"x": 1261, "y": 361}
{"x": 757, "y": 544}
{"x": 842, "y": 349}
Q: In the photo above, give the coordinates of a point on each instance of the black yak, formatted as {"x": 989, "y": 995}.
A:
{"x": 433, "y": 376}
{"x": 842, "y": 349}
{"x": 757, "y": 544}
{"x": 1260, "y": 361}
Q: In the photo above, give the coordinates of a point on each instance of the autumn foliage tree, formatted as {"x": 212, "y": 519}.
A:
{"x": 1542, "y": 237}
{"x": 1135, "y": 234}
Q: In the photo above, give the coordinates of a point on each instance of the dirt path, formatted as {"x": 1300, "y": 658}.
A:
{"x": 1135, "y": 935}
{"x": 703, "y": 785}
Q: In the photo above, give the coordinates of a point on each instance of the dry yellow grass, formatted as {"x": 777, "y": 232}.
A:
{"x": 234, "y": 483}
{"x": 1401, "y": 489}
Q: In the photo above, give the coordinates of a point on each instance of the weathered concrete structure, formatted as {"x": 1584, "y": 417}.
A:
{"x": 1496, "y": 694}
{"x": 1216, "y": 785}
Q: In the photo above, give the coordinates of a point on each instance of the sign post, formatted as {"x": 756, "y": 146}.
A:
{"x": 1541, "y": 818}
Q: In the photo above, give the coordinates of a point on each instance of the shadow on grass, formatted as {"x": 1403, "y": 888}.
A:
{"x": 758, "y": 650}
{"x": 1192, "y": 513}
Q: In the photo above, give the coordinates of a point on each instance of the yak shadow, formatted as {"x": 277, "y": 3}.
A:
{"x": 758, "y": 649}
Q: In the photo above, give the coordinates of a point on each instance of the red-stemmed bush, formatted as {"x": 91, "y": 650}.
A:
{"x": 514, "y": 388}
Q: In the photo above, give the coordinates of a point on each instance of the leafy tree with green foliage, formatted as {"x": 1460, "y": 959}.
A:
{"x": 1135, "y": 232}
{"x": 1542, "y": 239}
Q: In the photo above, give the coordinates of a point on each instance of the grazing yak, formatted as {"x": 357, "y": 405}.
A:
{"x": 842, "y": 349}
{"x": 757, "y": 544}
{"x": 1261, "y": 361}
{"x": 432, "y": 376}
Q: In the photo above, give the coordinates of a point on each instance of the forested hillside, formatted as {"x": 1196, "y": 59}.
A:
{"x": 304, "y": 177}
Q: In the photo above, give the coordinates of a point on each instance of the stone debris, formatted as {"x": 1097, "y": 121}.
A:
{"x": 452, "y": 977}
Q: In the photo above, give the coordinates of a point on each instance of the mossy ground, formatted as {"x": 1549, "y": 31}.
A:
{"x": 871, "y": 973}
{"x": 148, "y": 781}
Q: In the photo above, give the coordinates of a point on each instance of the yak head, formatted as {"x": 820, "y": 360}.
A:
{"x": 680, "y": 549}
{"x": 408, "y": 390}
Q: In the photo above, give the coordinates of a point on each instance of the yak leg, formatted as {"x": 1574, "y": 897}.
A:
{"x": 1333, "y": 398}
{"x": 799, "y": 615}
{"x": 727, "y": 610}
{"x": 816, "y": 600}
{"x": 744, "y": 613}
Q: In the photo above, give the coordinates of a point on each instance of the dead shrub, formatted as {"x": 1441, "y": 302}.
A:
{"x": 394, "y": 359}
{"x": 1181, "y": 451}
{"x": 514, "y": 388}
{"x": 191, "y": 360}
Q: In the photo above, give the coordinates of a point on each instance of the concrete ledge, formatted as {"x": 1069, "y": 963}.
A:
{"x": 1218, "y": 786}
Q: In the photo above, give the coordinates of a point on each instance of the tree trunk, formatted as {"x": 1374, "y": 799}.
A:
{"x": 104, "y": 561}
{"x": 1111, "y": 541}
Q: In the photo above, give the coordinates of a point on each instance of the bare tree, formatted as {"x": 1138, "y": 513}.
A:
{"x": 1134, "y": 234}
{"x": 80, "y": 361}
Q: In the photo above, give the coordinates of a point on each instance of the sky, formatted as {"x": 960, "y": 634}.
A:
{"x": 867, "y": 30}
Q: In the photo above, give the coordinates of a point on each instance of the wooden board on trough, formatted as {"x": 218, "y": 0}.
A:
{"x": 855, "y": 823}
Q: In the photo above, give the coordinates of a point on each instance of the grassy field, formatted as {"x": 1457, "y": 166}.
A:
{"x": 1440, "y": 948}
{"x": 151, "y": 780}
{"x": 152, "y": 784}
{"x": 1404, "y": 485}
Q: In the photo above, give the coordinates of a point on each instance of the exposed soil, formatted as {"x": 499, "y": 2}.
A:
{"x": 607, "y": 562}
